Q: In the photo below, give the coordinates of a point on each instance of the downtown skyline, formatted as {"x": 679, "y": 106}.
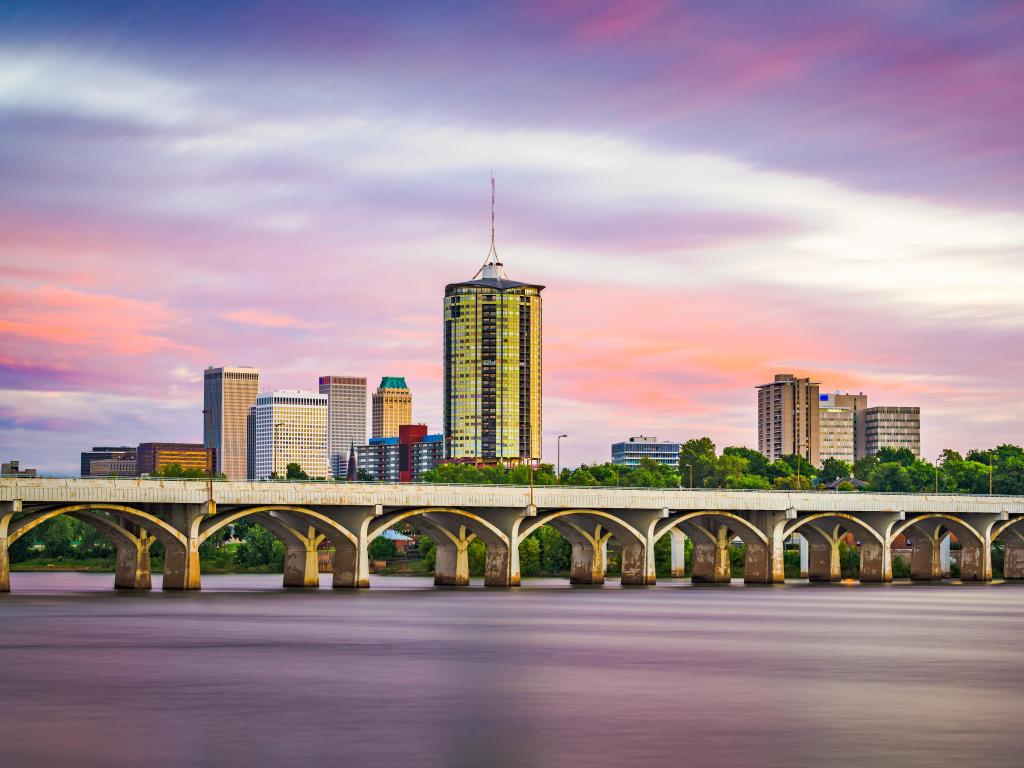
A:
{"x": 240, "y": 190}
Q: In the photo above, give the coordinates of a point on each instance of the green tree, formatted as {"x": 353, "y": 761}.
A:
{"x": 833, "y": 469}
{"x": 382, "y": 548}
{"x": 477, "y": 552}
{"x": 295, "y": 472}
{"x": 529, "y": 556}
{"x": 748, "y": 482}
{"x": 902, "y": 456}
{"x": 555, "y": 550}
{"x": 892, "y": 477}
{"x": 757, "y": 463}
{"x": 793, "y": 483}
{"x": 700, "y": 454}
{"x": 864, "y": 468}
{"x": 259, "y": 548}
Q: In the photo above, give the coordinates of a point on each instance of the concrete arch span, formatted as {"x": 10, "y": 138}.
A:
{"x": 927, "y": 533}
{"x": 1011, "y": 533}
{"x": 132, "y": 532}
{"x": 712, "y": 532}
{"x": 825, "y": 530}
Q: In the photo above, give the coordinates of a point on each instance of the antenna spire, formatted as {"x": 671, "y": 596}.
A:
{"x": 492, "y": 267}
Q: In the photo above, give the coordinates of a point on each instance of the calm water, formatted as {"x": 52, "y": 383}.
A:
{"x": 247, "y": 674}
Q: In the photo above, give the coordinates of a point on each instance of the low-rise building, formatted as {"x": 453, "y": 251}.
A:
{"x": 151, "y": 458}
{"x": 629, "y": 452}
{"x": 122, "y": 453}
{"x": 13, "y": 468}
{"x": 401, "y": 459}
{"x": 117, "y": 467}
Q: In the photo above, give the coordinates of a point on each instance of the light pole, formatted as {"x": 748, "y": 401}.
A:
{"x": 937, "y": 474}
{"x": 690, "y": 486}
{"x": 990, "y": 473}
{"x": 558, "y": 468}
{"x": 273, "y": 439}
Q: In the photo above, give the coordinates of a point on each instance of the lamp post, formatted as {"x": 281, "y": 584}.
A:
{"x": 558, "y": 468}
{"x": 273, "y": 439}
{"x": 937, "y": 474}
{"x": 690, "y": 486}
{"x": 990, "y": 473}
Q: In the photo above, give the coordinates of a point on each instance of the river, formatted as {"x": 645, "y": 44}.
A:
{"x": 405, "y": 674}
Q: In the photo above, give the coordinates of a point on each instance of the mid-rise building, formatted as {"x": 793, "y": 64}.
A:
{"x": 346, "y": 418}
{"x": 392, "y": 407}
{"x": 288, "y": 426}
{"x": 889, "y": 426}
{"x": 13, "y": 468}
{"x": 228, "y": 394}
{"x": 492, "y": 367}
{"x": 153, "y": 457}
{"x": 99, "y": 452}
{"x": 122, "y": 467}
{"x": 404, "y": 458}
{"x": 787, "y": 418}
{"x": 836, "y": 432}
{"x": 629, "y": 452}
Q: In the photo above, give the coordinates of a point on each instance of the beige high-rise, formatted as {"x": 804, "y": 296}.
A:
{"x": 841, "y": 426}
{"x": 228, "y": 393}
{"x": 787, "y": 418}
{"x": 888, "y": 426}
{"x": 392, "y": 407}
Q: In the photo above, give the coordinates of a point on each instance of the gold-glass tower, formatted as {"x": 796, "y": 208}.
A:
{"x": 492, "y": 367}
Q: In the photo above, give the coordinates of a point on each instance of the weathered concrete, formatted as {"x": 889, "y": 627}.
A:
{"x": 8, "y": 509}
{"x": 451, "y": 568}
{"x": 181, "y": 558}
{"x": 711, "y": 558}
{"x": 805, "y": 566}
{"x": 926, "y": 552}
{"x": 678, "y": 557}
{"x": 823, "y": 562}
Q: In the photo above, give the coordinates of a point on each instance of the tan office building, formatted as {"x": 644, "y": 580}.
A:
{"x": 787, "y": 418}
{"x": 228, "y": 394}
{"x": 889, "y": 426}
{"x": 151, "y": 458}
{"x": 346, "y": 417}
{"x": 392, "y": 407}
{"x": 841, "y": 426}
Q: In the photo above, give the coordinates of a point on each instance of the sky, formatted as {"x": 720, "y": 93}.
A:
{"x": 711, "y": 192}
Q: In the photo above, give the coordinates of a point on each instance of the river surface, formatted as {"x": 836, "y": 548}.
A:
{"x": 403, "y": 674}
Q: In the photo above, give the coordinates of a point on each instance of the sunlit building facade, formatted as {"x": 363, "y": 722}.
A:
{"x": 288, "y": 426}
{"x": 492, "y": 368}
{"x": 888, "y": 426}
{"x": 346, "y": 416}
{"x": 228, "y": 394}
{"x": 392, "y": 407}
{"x": 153, "y": 457}
{"x": 787, "y": 418}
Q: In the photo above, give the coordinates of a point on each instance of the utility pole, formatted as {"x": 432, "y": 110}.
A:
{"x": 990, "y": 456}
{"x": 558, "y": 470}
{"x": 208, "y": 439}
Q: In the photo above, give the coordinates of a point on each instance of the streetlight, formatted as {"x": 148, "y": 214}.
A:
{"x": 691, "y": 476}
{"x": 208, "y": 439}
{"x": 937, "y": 474}
{"x": 273, "y": 439}
{"x": 558, "y": 470}
{"x": 990, "y": 473}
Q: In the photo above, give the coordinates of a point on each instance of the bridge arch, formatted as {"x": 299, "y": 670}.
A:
{"x": 163, "y": 531}
{"x": 207, "y": 526}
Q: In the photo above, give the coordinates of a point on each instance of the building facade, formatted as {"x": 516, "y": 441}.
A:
{"x": 153, "y": 457}
{"x": 124, "y": 453}
{"x": 889, "y": 426}
{"x": 228, "y": 394}
{"x": 836, "y": 433}
{"x": 288, "y": 426}
{"x": 13, "y": 468}
{"x": 404, "y": 458}
{"x": 392, "y": 407}
{"x": 346, "y": 417}
{"x": 629, "y": 452}
{"x": 121, "y": 467}
{"x": 492, "y": 368}
{"x": 788, "y": 421}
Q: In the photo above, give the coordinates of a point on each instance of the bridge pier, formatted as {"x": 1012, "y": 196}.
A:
{"x": 926, "y": 556}
{"x": 1013, "y": 562}
{"x": 132, "y": 569}
{"x": 451, "y": 568}
{"x": 711, "y": 559}
{"x": 499, "y": 570}
{"x": 678, "y": 542}
{"x": 5, "y": 566}
{"x": 975, "y": 562}
{"x": 181, "y": 559}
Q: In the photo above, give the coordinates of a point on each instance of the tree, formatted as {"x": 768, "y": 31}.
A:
{"x": 529, "y": 556}
{"x": 864, "y": 468}
{"x": 700, "y": 454}
{"x": 748, "y": 482}
{"x": 757, "y": 462}
{"x": 382, "y": 548}
{"x": 893, "y": 477}
{"x": 833, "y": 469}
{"x": 902, "y": 456}
{"x": 793, "y": 483}
{"x": 363, "y": 476}
{"x": 295, "y": 472}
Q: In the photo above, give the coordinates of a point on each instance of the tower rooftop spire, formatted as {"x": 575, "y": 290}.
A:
{"x": 492, "y": 267}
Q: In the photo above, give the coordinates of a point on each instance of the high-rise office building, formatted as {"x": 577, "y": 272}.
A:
{"x": 123, "y": 453}
{"x": 889, "y": 426}
{"x": 392, "y": 407}
{"x": 288, "y": 426}
{"x": 787, "y": 418}
{"x": 346, "y": 417}
{"x": 228, "y": 394}
{"x": 492, "y": 367}
{"x": 629, "y": 452}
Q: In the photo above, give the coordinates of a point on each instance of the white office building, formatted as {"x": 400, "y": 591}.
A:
{"x": 629, "y": 452}
{"x": 285, "y": 427}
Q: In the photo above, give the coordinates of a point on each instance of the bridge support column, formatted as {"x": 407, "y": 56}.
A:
{"x": 944, "y": 557}
{"x": 678, "y": 542}
{"x": 925, "y": 558}
{"x": 301, "y": 568}
{"x": 875, "y": 562}
{"x": 1013, "y": 562}
{"x": 805, "y": 557}
{"x": 711, "y": 559}
{"x": 587, "y": 565}
{"x": 351, "y": 564}
{"x": 823, "y": 563}
{"x": 501, "y": 569}
{"x": 5, "y": 566}
{"x": 181, "y": 559}
{"x": 975, "y": 560}
{"x": 451, "y": 569}
{"x": 132, "y": 570}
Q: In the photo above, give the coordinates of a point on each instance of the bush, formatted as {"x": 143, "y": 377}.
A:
{"x": 900, "y": 568}
{"x": 849, "y": 561}
{"x": 791, "y": 559}
{"x": 382, "y": 549}
{"x": 529, "y": 557}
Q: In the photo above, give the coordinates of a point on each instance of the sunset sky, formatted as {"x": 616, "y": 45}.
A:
{"x": 710, "y": 194}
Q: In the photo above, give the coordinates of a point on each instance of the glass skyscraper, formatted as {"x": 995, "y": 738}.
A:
{"x": 492, "y": 367}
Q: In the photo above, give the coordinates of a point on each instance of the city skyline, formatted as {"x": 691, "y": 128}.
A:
{"x": 172, "y": 203}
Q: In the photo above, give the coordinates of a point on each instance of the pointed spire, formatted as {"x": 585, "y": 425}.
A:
{"x": 492, "y": 266}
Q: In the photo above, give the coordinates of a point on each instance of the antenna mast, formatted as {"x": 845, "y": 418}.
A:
{"x": 492, "y": 267}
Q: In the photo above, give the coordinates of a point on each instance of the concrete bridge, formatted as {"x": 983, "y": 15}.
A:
{"x": 135, "y": 513}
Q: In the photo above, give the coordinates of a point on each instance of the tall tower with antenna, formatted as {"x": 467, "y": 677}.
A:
{"x": 492, "y": 365}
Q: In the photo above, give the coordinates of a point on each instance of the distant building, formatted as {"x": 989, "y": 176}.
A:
{"x": 124, "y": 467}
{"x": 787, "y": 418}
{"x": 889, "y": 426}
{"x": 228, "y": 394}
{"x": 346, "y": 418}
{"x": 392, "y": 407}
{"x": 404, "y": 458}
{"x": 13, "y": 468}
{"x": 492, "y": 367}
{"x": 288, "y": 426}
{"x": 841, "y": 426}
{"x": 153, "y": 457}
{"x": 124, "y": 453}
{"x": 629, "y": 452}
